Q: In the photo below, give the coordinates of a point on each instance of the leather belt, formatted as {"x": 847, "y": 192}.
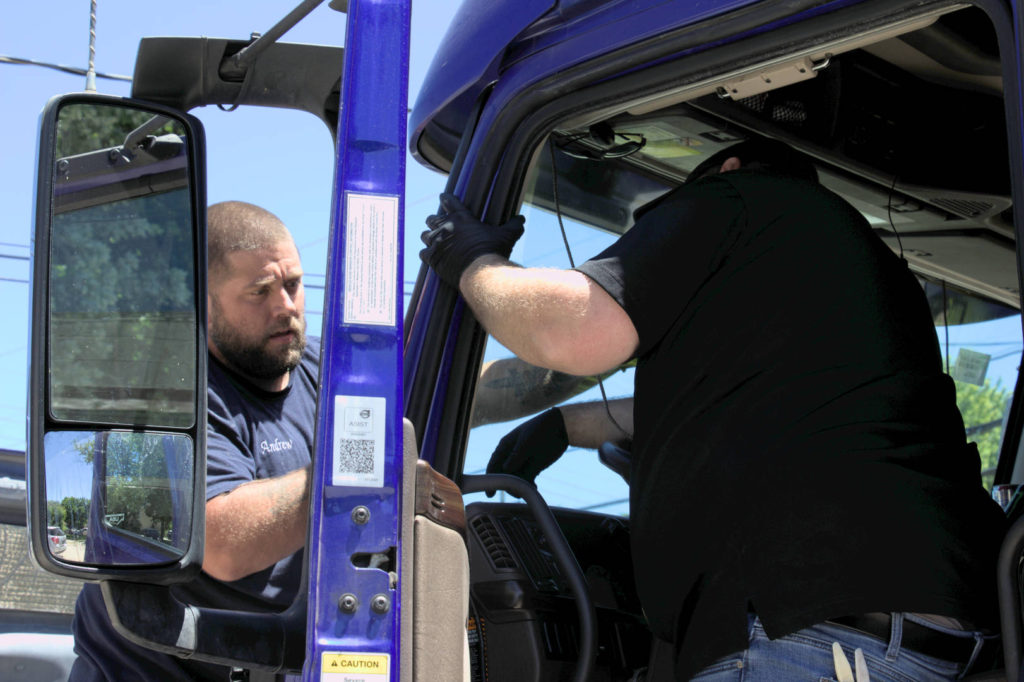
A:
{"x": 916, "y": 637}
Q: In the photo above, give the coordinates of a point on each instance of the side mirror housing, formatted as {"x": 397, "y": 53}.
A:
{"x": 117, "y": 416}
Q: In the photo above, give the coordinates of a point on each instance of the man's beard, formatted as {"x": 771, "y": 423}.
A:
{"x": 253, "y": 360}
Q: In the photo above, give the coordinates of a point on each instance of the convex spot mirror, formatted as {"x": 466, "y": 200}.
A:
{"x": 118, "y": 350}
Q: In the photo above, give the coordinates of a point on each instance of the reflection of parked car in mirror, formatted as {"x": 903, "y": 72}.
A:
{"x": 58, "y": 541}
{"x": 151, "y": 533}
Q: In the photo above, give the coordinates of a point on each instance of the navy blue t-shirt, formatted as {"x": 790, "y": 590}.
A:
{"x": 251, "y": 434}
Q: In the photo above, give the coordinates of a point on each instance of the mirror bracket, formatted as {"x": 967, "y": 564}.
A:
{"x": 152, "y": 617}
{"x": 186, "y": 72}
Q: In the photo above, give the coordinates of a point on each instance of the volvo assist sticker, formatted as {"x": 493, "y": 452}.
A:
{"x": 358, "y": 455}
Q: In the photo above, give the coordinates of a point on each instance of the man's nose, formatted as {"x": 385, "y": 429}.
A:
{"x": 286, "y": 303}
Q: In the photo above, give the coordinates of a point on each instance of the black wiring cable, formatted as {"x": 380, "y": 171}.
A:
{"x": 945, "y": 322}
{"x": 892, "y": 224}
{"x": 572, "y": 264}
{"x": 558, "y": 204}
{"x": 945, "y": 299}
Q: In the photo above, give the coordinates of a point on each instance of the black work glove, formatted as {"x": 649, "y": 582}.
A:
{"x": 456, "y": 239}
{"x": 531, "y": 447}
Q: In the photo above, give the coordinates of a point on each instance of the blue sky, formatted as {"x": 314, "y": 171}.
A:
{"x": 282, "y": 160}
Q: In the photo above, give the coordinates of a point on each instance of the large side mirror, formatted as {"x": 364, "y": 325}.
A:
{"x": 116, "y": 485}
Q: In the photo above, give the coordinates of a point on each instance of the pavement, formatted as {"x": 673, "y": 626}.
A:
{"x": 24, "y": 586}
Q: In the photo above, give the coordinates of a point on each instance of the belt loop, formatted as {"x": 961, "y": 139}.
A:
{"x": 979, "y": 641}
{"x": 895, "y": 636}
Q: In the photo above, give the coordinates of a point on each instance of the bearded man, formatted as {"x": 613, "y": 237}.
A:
{"x": 261, "y": 418}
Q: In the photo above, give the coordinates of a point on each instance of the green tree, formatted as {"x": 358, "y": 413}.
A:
{"x": 76, "y": 511}
{"x": 983, "y": 408}
{"x": 55, "y": 514}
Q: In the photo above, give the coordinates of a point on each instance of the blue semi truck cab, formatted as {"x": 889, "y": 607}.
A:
{"x": 574, "y": 113}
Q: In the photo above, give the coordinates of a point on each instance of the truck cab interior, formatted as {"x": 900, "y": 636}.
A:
{"x": 910, "y": 113}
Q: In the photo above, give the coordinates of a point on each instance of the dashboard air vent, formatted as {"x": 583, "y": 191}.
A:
{"x": 493, "y": 543}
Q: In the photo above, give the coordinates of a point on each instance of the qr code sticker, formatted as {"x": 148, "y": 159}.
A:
{"x": 354, "y": 456}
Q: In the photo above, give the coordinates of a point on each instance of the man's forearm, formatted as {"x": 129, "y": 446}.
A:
{"x": 256, "y": 525}
{"x": 588, "y": 425}
{"x": 510, "y": 389}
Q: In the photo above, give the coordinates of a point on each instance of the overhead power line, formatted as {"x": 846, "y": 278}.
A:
{"x": 74, "y": 70}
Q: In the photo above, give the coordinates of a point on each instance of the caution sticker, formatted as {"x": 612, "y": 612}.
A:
{"x": 355, "y": 667}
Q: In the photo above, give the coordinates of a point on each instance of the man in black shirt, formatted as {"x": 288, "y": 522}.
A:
{"x": 792, "y": 472}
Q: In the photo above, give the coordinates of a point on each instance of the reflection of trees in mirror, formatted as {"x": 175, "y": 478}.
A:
{"x": 76, "y": 515}
{"x": 128, "y": 256}
{"x": 122, "y": 296}
{"x": 87, "y": 127}
{"x": 55, "y": 514}
{"x": 139, "y": 492}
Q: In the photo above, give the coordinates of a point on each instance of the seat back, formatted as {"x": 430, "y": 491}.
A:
{"x": 434, "y": 611}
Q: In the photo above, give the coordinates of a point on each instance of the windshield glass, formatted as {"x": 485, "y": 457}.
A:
{"x": 981, "y": 347}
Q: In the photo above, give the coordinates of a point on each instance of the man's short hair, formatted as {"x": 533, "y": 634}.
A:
{"x": 772, "y": 155}
{"x": 239, "y": 226}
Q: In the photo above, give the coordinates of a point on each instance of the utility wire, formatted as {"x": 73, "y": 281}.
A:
{"x": 74, "y": 70}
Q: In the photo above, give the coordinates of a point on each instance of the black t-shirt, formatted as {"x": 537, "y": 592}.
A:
{"x": 798, "y": 452}
{"x": 251, "y": 434}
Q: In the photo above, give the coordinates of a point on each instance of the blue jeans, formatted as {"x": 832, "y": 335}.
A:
{"x": 807, "y": 655}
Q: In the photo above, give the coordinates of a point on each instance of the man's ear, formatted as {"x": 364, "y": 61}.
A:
{"x": 730, "y": 164}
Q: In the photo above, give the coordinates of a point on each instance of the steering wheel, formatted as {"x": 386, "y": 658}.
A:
{"x": 615, "y": 458}
{"x": 563, "y": 557}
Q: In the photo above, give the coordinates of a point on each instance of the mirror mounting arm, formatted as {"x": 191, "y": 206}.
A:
{"x": 234, "y": 67}
{"x": 152, "y": 617}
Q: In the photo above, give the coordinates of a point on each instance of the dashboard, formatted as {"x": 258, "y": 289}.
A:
{"x": 523, "y": 619}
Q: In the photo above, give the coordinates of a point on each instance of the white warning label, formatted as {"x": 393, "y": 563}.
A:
{"x": 371, "y": 259}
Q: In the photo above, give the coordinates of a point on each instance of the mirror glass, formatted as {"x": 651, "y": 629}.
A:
{"x": 118, "y": 498}
{"x": 122, "y": 321}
